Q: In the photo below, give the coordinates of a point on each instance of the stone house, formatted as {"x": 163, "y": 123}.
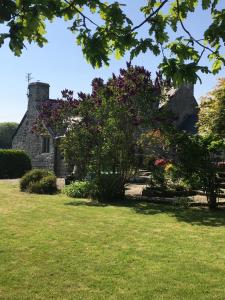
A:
{"x": 184, "y": 107}
{"x": 44, "y": 151}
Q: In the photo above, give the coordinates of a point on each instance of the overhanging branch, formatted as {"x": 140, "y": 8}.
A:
{"x": 72, "y": 4}
{"x": 150, "y": 16}
{"x": 194, "y": 39}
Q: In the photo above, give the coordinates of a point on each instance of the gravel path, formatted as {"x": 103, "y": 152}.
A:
{"x": 133, "y": 189}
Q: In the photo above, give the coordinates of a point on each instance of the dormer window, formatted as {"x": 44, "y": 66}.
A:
{"x": 45, "y": 145}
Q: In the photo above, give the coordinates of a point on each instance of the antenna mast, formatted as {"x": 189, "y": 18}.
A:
{"x": 28, "y": 79}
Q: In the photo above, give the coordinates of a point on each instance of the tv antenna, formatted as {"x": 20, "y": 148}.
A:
{"x": 28, "y": 77}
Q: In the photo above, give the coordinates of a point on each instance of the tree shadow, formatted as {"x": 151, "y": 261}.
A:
{"x": 201, "y": 216}
{"x": 193, "y": 215}
{"x": 85, "y": 202}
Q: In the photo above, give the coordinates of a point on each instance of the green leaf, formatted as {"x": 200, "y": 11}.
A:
{"x": 206, "y": 4}
{"x": 216, "y": 67}
{"x": 118, "y": 54}
{"x": 214, "y": 4}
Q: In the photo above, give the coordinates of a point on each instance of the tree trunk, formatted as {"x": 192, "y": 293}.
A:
{"x": 212, "y": 190}
{"x": 212, "y": 200}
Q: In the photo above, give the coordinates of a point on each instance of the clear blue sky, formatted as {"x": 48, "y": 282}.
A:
{"x": 61, "y": 64}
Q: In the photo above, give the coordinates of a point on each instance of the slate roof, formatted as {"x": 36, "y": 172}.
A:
{"x": 18, "y": 127}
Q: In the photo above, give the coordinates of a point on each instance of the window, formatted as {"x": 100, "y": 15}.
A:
{"x": 45, "y": 145}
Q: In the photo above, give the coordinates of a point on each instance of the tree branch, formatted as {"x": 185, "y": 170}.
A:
{"x": 195, "y": 40}
{"x": 72, "y": 4}
{"x": 203, "y": 51}
{"x": 150, "y": 16}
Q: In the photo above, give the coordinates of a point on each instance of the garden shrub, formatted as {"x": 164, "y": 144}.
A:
{"x": 167, "y": 176}
{"x": 48, "y": 184}
{"x": 34, "y": 188}
{"x": 34, "y": 175}
{"x": 13, "y": 163}
{"x": 110, "y": 187}
{"x": 80, "y": 189}
{"x": 104, "y": 188}
{"x": 39, "y": 181}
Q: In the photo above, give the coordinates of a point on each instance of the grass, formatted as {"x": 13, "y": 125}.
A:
{"x": 54, "y": 247}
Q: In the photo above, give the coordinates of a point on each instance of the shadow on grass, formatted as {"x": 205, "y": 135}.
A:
{"x": 87, "y": 203}
{"x": 196, "y": 216}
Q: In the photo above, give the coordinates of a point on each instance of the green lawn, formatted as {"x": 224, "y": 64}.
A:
{"x": 54, "y": 247}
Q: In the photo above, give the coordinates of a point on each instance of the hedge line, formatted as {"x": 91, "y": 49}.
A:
{"x": 13, "y": 163}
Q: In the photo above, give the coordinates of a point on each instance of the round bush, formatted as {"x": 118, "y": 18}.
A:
{"x": 110, "y": 188}
{"x": 48, "y": 184}
{"x": 34, "y": 188}
{"x": 13, "y": 163}
{"x": 33, "y": 176}
{"x": 80, "y": 189}
{"x": 39, "y": 181}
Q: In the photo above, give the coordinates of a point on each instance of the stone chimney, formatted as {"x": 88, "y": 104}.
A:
{"x": 189, "y": 87}
{"x": 37, "y": 93}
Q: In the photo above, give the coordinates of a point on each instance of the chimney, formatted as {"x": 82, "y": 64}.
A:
{"x": 37, "y": 93}
{"x": 189, "y": 87}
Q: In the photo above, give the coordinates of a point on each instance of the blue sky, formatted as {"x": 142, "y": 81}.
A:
{"x": 61, "y": 64}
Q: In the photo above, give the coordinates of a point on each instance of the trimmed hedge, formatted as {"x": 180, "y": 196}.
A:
{"x": 39, "y": 181}
{"x": 13, "y": 163}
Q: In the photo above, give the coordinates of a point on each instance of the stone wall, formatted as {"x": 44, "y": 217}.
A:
{"x": 182, "y": 103}
{"x": 31, "y": 143}
{"x": 28, "y": 141}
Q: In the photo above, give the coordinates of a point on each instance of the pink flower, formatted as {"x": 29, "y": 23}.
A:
{"x": 160, "y": 162}
{"x": 221, "y": 165}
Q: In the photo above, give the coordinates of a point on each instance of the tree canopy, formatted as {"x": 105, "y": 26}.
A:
{"x": 103, "y": 28}
{"x": 212, "y": 111}
{"x": 7, "y": 130}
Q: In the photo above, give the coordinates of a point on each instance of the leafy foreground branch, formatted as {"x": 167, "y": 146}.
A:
{"x": 102, "y": 29}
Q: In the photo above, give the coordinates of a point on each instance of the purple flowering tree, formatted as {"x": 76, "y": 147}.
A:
{"x": 102, "y": 128}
